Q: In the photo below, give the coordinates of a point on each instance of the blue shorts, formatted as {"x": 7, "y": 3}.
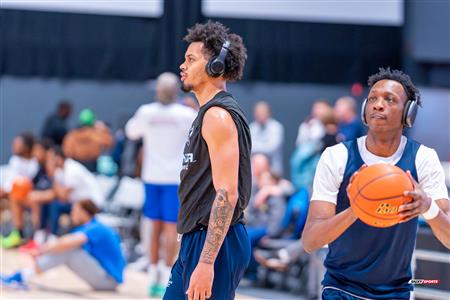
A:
{"x": 230, "y": 265}
{"x": 161, "y": 202}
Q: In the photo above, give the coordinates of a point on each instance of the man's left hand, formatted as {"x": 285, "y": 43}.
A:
{"x": 420, "y": 202}
{"x": 200, "y": 285}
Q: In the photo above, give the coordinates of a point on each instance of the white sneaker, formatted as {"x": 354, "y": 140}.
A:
{"x": 40, "y": 236}
{"x": 141, "y": 264}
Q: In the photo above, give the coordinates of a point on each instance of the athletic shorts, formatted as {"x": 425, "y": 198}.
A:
{"x": 330, "y": 293}
{"x": 161, "y": 202}
{"x": 229, "y": 267}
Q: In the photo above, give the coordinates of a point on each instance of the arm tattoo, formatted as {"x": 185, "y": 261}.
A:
{"x": 219, "y": 222}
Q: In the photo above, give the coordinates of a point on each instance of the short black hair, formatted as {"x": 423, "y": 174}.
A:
{"x": 65, "y": 104}
{"x": 28, "y": 140}
{"x": 412, "y": 92}
{"x": 213, "y": 35}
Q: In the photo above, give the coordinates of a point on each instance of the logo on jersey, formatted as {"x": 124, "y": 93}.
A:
{"x": 387, "y": 209}
{"x": 188, "y": 159}
{"x": 191, "y": 131}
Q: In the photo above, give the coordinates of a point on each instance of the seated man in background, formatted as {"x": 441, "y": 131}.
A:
{"x": 87, "y": 142}
{"x": 37, "y": 200}
{"x": 21, "y": 164}
{"x": 91, "y": 250}
{"x": 72, "y": 182}
{"x": 267, "y": 205}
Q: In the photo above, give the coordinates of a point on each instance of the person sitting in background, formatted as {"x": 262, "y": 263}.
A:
{"x": 267, "y": 204}
{"x": 281, "y": 259}
{"x": 267, "y": 136}
{"x": 86, "y": 143}
{"x": 72, "y": 182}
{"x": 266, "y": 209}
{"x": 260, "y": 164}
{"x": 92, "y": 251}
{"x": 37, "y": 200}
{"x": 55, "y": 125}
{"x": 309, "y": 145}
{"x": 21, "y": 164}
{"x": 349, "y": 124}
{"x": 329, "y": 122}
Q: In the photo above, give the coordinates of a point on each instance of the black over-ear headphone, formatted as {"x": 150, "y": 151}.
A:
{"x": 409, "y": 112}
{"x": 216, "y": 64}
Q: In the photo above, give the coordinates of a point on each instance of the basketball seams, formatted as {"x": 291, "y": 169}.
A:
{"x": 373, "y": 180}
{"x": 359, "y": 193}
{"x": 380, "y": 199}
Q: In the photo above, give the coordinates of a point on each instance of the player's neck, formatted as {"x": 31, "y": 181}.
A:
{"x": 383, "y": 145}
{"x": 207, "y": 91}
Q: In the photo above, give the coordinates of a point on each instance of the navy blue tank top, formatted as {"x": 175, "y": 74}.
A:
{"x": 367, "y": 261}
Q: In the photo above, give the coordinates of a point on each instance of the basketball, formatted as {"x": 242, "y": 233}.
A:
{"x": 21, "y": 186}
{"x": 377, "y": 192}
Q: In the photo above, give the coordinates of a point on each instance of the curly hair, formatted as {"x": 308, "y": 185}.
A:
{"x": 213, "y": 35}
{"x": 412, "y": 92}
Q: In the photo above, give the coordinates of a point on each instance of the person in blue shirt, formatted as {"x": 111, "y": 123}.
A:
{"x": 349, "y": 124}
{"x": 92, "y": 251}
{"x": 365, "y": 262}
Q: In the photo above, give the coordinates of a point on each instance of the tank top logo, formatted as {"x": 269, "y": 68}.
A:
{"x": 191, "y": 131}
{"x": 188, "y": 159}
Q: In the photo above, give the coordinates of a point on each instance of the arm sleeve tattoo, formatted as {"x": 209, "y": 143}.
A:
{"x": 219, "y": 222}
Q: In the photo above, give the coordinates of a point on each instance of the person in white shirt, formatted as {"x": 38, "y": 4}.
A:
{"x": 365, "y": 262}
{"x": 72, "y": 182}
{"x": 21, "y": 164}
{"x": 267, "y": 136}
{"x": 164, "y": 127}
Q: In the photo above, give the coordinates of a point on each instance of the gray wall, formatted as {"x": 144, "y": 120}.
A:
{"x": 432, "y": 126}
{"x": 24, "y": 104}
{"x": 429, "y": 26}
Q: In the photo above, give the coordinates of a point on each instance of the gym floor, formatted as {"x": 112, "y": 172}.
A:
{"x": 60, "y": 283}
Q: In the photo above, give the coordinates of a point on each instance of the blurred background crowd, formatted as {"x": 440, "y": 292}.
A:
{"x": 72, "y": 82}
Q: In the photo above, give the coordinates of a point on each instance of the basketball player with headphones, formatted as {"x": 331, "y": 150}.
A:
{"x": 365, "y": 262}
{"x": 215, "y": 177}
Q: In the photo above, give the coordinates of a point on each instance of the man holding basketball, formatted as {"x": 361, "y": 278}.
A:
{"x": 366, "y": 262}
{"x": 215, "y": 177}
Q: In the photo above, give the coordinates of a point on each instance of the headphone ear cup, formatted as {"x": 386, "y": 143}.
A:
{"x": 208, "y": 66}
{"x": 363, "y": 112}
{"x": 215, "y": 67}
{"x": 409, "y": 113}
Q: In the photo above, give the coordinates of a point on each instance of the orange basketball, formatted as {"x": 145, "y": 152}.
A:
{"x": 21, "y": 186}
{"x": 377, "y": 192}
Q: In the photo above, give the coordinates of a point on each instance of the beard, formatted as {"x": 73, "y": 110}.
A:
{"x": 186, "y": 87}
